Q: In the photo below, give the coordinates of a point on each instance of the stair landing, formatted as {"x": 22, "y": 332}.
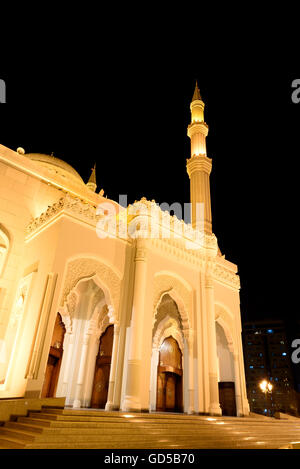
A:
{"x": 93, "y": 429}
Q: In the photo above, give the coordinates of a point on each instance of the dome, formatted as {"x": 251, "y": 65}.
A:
{"x": 55, "y": 165}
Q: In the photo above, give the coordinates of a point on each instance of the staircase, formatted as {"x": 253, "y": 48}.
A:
{"x": 95, "y": 429}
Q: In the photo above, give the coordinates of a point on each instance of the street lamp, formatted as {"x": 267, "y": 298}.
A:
{"x": 266, "y": 388}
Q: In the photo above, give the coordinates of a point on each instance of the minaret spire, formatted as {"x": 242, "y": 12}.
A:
{"x": 196, "y": 95}
{"x": 92, "y": 184}
{"x": 199, "y": 166}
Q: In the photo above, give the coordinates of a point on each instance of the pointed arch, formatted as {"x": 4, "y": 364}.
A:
{"x": 180, "y": 291}
{"x": 106, "y": 277}
{"x": 224, "y": 318}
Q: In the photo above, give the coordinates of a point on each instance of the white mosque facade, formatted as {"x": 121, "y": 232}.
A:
{"x": 123, "y": 309}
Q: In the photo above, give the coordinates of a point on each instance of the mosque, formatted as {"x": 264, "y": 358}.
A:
{"x": 116, "y": 308}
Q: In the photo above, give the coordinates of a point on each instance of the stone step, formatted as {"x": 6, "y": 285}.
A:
{"x": 46, "y": 423}
{"x": 181, "y": 418}
{"x": 92, "y": 429}
{"x": 147, "y": 445}
{"x": 102, "y": 412}
{"x": 111, "y": 421}
{"x": 34, "y": 421}
{"x": 116, "y": 439}
{"x": 6, "y": 444}
{"x": 24, "y": 435}
{"x": 96, "y": 417}
{"x": 74, "y": 417}
{"x": 24, "y": 426}
{"x": 12, "y": 442}
{"x": 98, "y": 429}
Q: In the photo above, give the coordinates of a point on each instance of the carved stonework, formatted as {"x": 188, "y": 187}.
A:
{"x": 81, "y": 268}
{"x": 166, "y": 328}
{"x": 70, "y": 204}
{"x": 180, "y": 294}
{"x": 98, "y": 299}
{"x": 67, "y": 320}
{"x": 21, "y": 299}
{"x": 226, "y": 276}
{"x": 72, "y": 302}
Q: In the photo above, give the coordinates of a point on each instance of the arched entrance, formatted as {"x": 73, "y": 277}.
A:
{"x": 169, "y": 377}
{"x": 102, "y": 369}
{"x": 88, "y": 314}
{"x": 54, "y": 358}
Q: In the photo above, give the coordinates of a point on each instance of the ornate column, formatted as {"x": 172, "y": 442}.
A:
{"x": 153, "y": 382}
{"x": 112, "y": 374}
{"x": 199, "y": 169}
{"x": 191, "y": 372}
{"x": 214, "y": 406}
{"x": 241, "y": 370}
{"x": 237, "y": 383}
{"x": 81, "y": 371}
{"x": 68, "y": 345}
{"x": 131, "y": 400}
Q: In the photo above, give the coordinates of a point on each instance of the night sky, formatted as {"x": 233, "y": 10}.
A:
{"x": 129, "y": 112}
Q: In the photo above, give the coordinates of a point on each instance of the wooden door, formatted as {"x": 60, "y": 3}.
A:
{"x": 170, "y": 392}
{"x": 227, "y": 398}
{"x": 102, "y": 369}
{"x": 160, "y": 398}
{"x": 54, "y": 359}
{"x": 169, "y": 377}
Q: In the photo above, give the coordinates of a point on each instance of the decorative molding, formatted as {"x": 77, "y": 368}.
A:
{"x": 198, "y": 163}
{"x": 67, "y": 204}
{"x": 226, "y": 276}
{"x": 166, "y": 328}
{"x": 167, "y": 284}
{"x": 85, "y": 268}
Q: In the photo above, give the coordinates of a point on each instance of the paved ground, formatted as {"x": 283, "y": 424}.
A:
{"x": 88, "y": 429}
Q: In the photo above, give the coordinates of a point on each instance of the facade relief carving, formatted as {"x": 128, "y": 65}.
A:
{"x": 84, "y": 268}
{"x": 166, "y": 284}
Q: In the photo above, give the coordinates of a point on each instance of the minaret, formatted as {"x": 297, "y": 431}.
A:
{"x": 199, "y": 166}
{"x": 91, "y": 184}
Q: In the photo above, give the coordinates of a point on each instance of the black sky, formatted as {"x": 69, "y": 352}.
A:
{"x": 128, "y": 111}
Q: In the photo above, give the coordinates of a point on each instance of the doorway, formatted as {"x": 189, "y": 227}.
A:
{"x": 102, "y": 369}
{"x": 169, "y": 377}
{"x": 227, "y": 398}
{"x": 54, "y": 358}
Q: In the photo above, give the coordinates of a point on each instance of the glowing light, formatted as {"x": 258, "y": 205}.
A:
{"x": 265, "y": 386}
{"x": 210, "y": 419}
{"x": 128, "y": 416}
